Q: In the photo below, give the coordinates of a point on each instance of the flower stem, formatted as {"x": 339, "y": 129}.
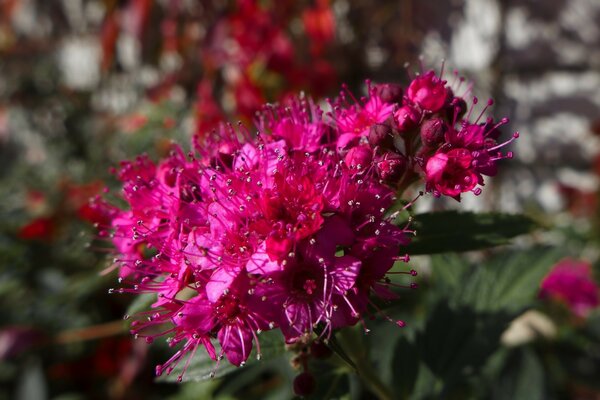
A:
{"x": 91, "y": 332}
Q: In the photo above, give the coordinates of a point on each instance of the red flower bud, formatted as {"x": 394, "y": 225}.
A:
{"x": 389, "y": 92}
{"x": 304, "y": 384}
{"x": 381, "y": 135}
{"x": 432, "y": 132}
{"x": 359, "y": 157}
{"x": 391, "y": 166}
{"x": 407, "y": 118}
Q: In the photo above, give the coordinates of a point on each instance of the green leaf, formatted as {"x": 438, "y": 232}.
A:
{"x": 449, "y": 272}
{"x": 331, "y": 382}
{"x": 427, "y": 385}
{"x": 509, "y": 282}
{"x": 452, "y": 231}
{"x": 523, "y": 378}
{"x": 579, "y": 359}
{"x": 269, "y": 379}
{"x": 202, "y": 367}
{"x": 405, "y": 367}
{"x": 457, "y": 342}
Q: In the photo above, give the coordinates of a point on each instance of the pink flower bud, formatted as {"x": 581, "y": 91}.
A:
{"x": 407, "y": 118}
{"x": 428, "y": 91}
{"x": 359, "y": 157}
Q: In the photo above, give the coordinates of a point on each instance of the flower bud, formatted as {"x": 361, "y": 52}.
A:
{"x": 407, "y": 118}
{"x": 381, "y": 135}
{"x": 428, "y": 91}
{"x": 458, "y": 107}
{"x": 389, "y": 92}
{"x": 359, "y": 157}
{"x": 391, "y": 166}
{"x": 304, "y": 384}
{"x": 432, "y": 132}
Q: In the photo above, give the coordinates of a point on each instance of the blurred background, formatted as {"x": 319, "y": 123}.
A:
{"x": 85, "y": 84}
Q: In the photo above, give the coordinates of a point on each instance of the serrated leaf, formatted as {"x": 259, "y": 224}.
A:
{"x": 457, "y": 341}
{"x": 449, "y": 271}
{"x": 201, "y": 367}
{"x": 509, "y": 282}
{"x": 453, "y": 231}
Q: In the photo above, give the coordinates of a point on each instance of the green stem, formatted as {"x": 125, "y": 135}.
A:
{"x": 362, "y": 364}
{"x": 373, "y": 382}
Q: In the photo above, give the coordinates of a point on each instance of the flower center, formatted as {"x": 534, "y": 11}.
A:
{"x": 227, "y": 308}
{"x": 309, "y": 286}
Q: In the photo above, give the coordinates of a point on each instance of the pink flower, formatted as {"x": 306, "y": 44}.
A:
{"x": 451, "y": 173}
{"x": 571, "y": 282}
{"x": 287, "y": 228}
{"x": 299, "y": 123}
{"x": 356, "y": 121}
{"x": 292, "y": 211}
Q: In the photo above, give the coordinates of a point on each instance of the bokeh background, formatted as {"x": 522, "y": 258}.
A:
{"x": 87, "y": 83}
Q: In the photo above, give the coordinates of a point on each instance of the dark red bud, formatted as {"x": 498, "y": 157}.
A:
{"x": 304, "y": 384}
{"x": 432, "y": 132}
{"x": 391, "y": 166}
{"x": 407, "y": 118}
{"x": 389, "y": 92}
{"x": 458, "y": 107}
{"x": 381, "y": 135}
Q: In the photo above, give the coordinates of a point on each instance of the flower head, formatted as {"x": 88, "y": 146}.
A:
{"x": 286, "y": 229}
{"x": 571, "y": 282}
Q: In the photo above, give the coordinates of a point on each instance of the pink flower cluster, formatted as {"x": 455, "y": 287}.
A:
{"x": 288, "y": 228}
{"x": 571, "y": 282}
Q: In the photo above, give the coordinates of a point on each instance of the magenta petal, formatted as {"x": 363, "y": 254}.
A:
{"x": 195, "y": 316}
{"x": 298, "y": 320}
{"x": 210, "y": 349}
{"x": 335, "y": 232}
{"x": 436, "y": 164}
{"x": 346, "y": 270}
{"x": 248, "y": 157}
{"x": 196, "y": 251}
{"x": 346, "y": 139}
{"x": 236, "y": 342}
{"x": 220, "y": 281}
{"x": 260, "y": 263}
